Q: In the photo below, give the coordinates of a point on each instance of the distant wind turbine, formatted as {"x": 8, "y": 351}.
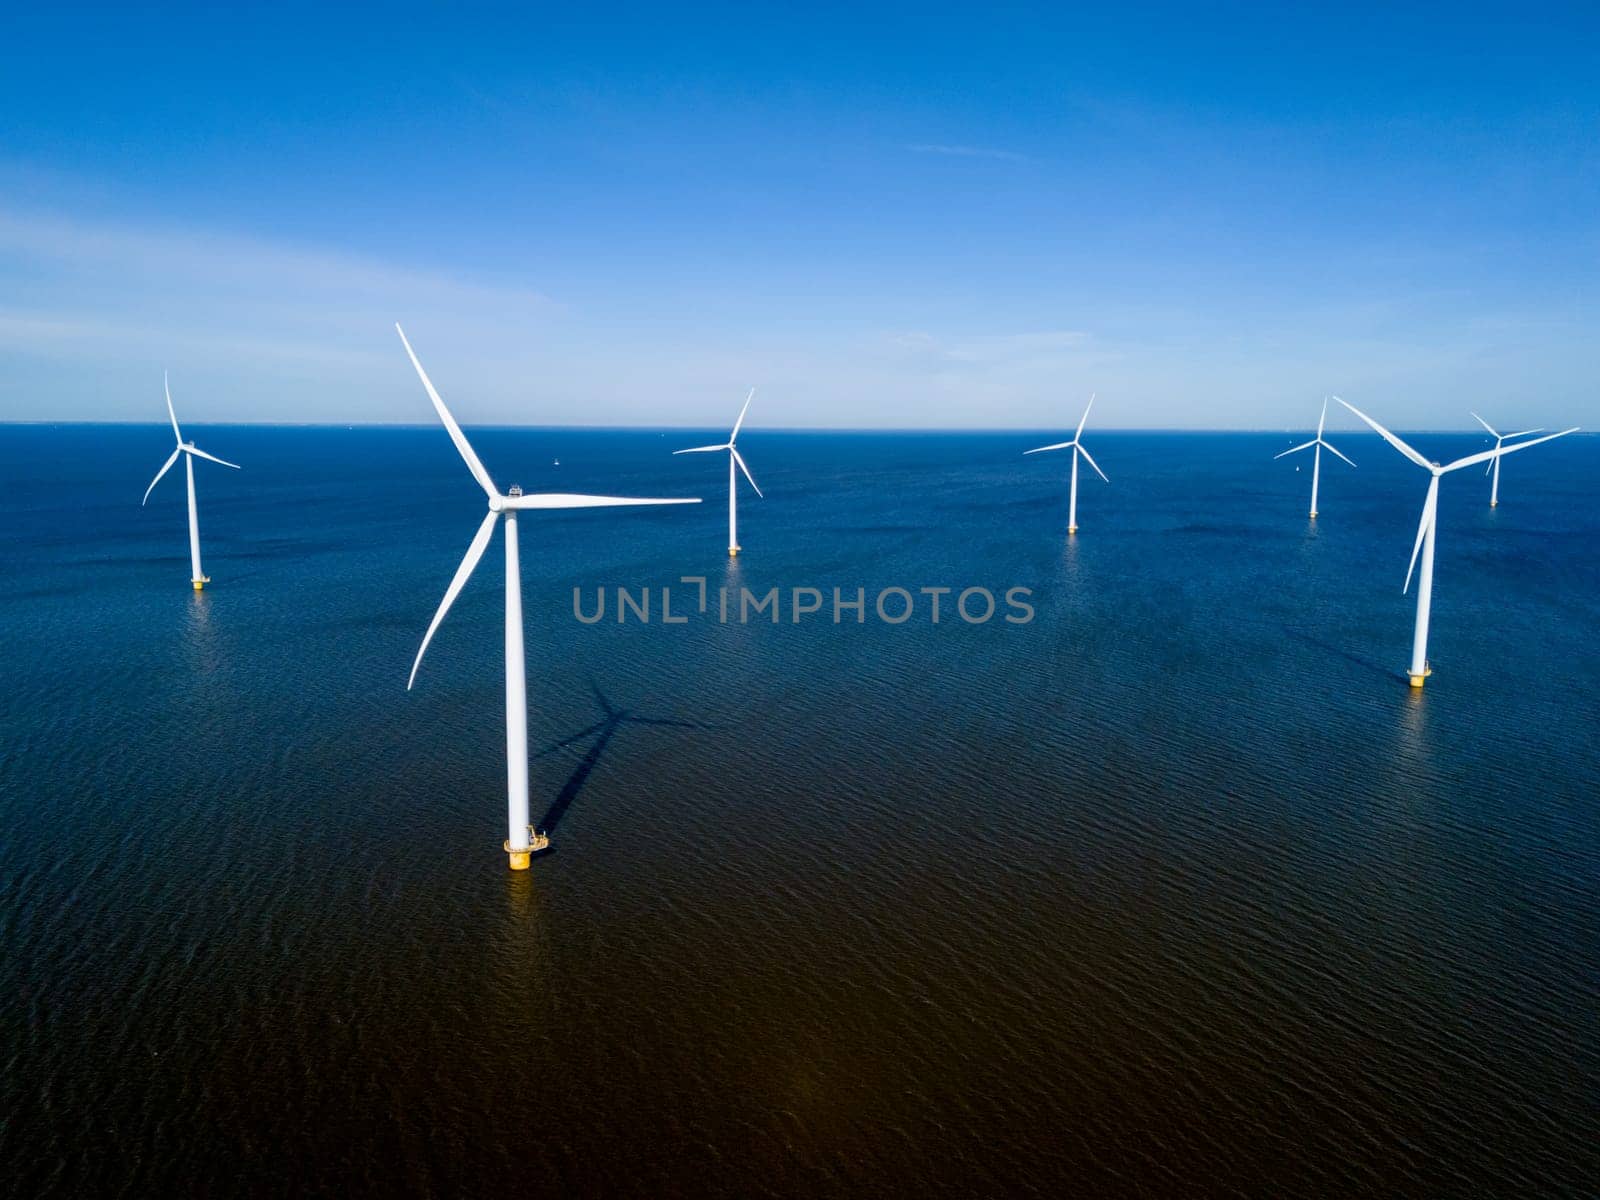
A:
{"x": 1499, "y": 438}
{"x": 733, "y": 457}
{"x": 1419, "y": 670}
{"x": 190, "y": 452}
{"x": 1316, "y": 457}
{"x": 1076, "y": 446}
{"x": 521, "y": 838}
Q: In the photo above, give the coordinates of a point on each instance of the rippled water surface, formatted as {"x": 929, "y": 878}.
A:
{"x": 1176, "y": 890}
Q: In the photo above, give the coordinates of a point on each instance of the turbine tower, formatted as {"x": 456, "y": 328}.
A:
{"x": 1419, "y": 669}
{"x": 1076, "y": 446}
{"x": 1316, "y": 457}
{"x": 190, "y": 452}
{"x": 1499, "y": 438}
{"x": 522, "y": 839}
{"x": 733, "y": 457}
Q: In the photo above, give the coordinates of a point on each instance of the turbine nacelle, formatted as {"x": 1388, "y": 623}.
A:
{"x": 1319, "y": 440}
{"x": 731, "y": 445}
{"x": 183, "y": 447}
{"x": 500, "y": 503}
{"x": 1075, "y": 445}
{"x": 1430, "y": 506}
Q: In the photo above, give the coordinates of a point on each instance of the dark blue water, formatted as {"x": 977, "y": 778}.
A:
{"x": 1177, "y": 889}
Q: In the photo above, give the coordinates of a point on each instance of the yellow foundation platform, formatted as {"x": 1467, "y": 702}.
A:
{"x": 1072, "y": 529}
{"x": 1494, "y": 504}
{"x": 1418, "y": 680}
{"x": 200, "y": 583}
{"x": 733, "y": 551}
{"x": 536, "y": 842}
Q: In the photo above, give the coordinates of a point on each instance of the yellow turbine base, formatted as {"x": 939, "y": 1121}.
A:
{"x": 536, "y": 842}
{"x": 733, "y": 551}
{"x": 1313, "y": 514}
{"x": 1417, "y": 680}
{"x": 199, "y": 584}
{"x": 1072, "y": 529}
{"x": 1494, "y": 503}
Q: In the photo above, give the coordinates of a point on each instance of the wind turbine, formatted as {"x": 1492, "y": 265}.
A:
{"x": 1076, "y": 446}
{"x": 522, "y": 839}
{"x": 191, "y": 452}
{"x": 733, "y": 457}
{"x": 1419, "y": 669}
{"x": 1316, "y": 457}
{"x": 1494, "y": 488}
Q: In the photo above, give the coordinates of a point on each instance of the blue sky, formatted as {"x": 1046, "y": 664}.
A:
{"x": 1211, "y": 216}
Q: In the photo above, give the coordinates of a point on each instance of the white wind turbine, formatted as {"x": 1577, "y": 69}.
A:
{"x": 1419, "y": 669}
{"x": 1499, "y": 439}
{"x": 733, "y": 457}
{"x": 1076, "y": 446}
{"x": 522, "y": 839}
{"x": 191, "y": 452}
{"x": 1316, "y": 458}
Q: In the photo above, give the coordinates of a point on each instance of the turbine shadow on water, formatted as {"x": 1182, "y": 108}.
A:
{"x": 602, "y": 731}
{"x": 1395, "y": 677}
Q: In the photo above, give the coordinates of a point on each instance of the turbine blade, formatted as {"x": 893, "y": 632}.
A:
{"x": 1525, "y": 432}
{"x": 1057, "y": 446}
{"x": 454, "y": 430}
{"x": 1498, "y": 451}
{"x": 574, "y": 500}
{"x": 1493, "y": 432}
{"x": 212, "y": 457}
{"x": 734, "y": 436}
{"x": 1294, "y": 449}
{"x": 166, "y": 387}
{"x": 1323, "y": 419}
{"x": 1390, "y": 438}
{"x": 165, "y": 467}
{"x": 475, "y": 551}
{"x": 738, "y": 458}
{"x": 1328, "y": 446}
{"x": 704, "y": 449}
{"x": 1083, "y": 419}
{"x": 1428, "y": 507}
{"x": 1093, "y": 464}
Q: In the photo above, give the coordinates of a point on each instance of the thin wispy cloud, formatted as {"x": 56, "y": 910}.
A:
{"x": 272, "y": 329}
{"x": 229, "y": 260}
{"x": 950, "y": 151}
{"x": 996, "y": 349}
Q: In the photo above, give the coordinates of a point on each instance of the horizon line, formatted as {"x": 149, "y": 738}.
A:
{"x": 620, "y": 428}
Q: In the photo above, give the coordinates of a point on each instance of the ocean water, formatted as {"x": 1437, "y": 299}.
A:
{"x": 1177, "y": 889}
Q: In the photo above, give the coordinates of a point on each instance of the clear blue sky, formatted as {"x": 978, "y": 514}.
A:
{"x": 907, "y": 216}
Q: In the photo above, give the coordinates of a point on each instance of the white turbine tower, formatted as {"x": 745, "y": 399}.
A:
{"x": 1316, "y": 458}
{"x": 190, "y": 453}
{"x": 733, "y": 457}
{"x": 1499, "y": 439}
{"x": 522, "y": 839}
{"x": 1076, "y": 446}
{"x": 1419, "y": 669}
